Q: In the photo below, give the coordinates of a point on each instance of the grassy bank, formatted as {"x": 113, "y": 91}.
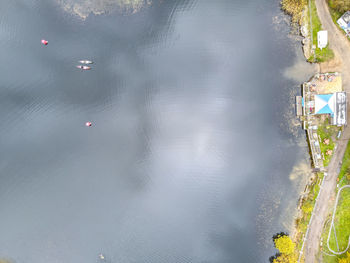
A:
{"x": 327, "y": 132}
{"x": 319, "y": 55}
{"x": 342, "y": 226}
{"x": 295, "y": 9}
{"x": 342, "y": 217}
{"x": 344, "y": 174}
{"x": 341, "y": 222}
{"x": 307, "y": 204}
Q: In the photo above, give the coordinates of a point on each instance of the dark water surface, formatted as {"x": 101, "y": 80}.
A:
{"x": 192, "y": 148}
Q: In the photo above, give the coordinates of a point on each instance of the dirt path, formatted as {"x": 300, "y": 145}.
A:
{"x": 337, "y": 42}
{"x": 341, "y": 47}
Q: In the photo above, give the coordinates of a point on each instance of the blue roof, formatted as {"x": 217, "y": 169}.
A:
{"x": 325, "y": 97}
{"x": 323, "y": 104}
{"x": 325, "y": 110}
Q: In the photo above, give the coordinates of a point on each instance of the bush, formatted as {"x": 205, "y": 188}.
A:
{"x": 285, "y": 245}
{"x": 294, "y": 8}
{"x": 346, "y": 259}
{"x": 340, "y": 5}
{"x": 307, "y": 207}
{"x": 286, "y": 249}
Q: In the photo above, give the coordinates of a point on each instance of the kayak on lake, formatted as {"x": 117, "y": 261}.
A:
{"x": 83, "y": 67}
{"x": 86, "y": 61}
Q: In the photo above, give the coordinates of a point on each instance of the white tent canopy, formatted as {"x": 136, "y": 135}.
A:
{"x": 325, "y": 104}
{"x": 322, "y": 39}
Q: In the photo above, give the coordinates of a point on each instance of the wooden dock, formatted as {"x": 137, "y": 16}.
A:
{"x": 298, "y": 105}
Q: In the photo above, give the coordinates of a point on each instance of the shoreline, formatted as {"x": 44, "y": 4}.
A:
{"x": 312, "y": 187}
{"x": 319, "y": 189}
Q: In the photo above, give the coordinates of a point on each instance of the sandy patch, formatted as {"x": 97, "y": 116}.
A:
{"x": 334, "y": 65}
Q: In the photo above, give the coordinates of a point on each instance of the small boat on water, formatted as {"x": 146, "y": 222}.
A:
{"x": 83, "y": 67}
{"x": 86, "y": 61}
{"x": 101, "y": 256}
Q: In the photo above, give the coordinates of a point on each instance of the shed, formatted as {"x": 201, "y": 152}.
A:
{"x": 322, "y": 39}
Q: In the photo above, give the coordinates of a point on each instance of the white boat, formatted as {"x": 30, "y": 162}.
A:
{"x": 101, "y": 256}
{"x": 83, "y": 67}
{"x": 86, "y": 61}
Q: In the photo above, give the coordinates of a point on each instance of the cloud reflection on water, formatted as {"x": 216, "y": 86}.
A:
{"x": 83, "y": 8}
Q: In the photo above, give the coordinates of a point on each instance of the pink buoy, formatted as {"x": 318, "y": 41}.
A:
{"x": 45, "y": 42}
{"x": 88, "y": 124}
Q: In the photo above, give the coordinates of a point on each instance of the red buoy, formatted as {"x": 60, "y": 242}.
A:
{"x": 88, "y": 124}
{"x": 45, "y": 42}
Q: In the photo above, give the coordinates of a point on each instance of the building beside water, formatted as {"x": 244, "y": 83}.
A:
{"x": 322, "y": 98}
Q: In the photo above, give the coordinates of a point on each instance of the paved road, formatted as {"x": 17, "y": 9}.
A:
{"x": 341, "y": 46}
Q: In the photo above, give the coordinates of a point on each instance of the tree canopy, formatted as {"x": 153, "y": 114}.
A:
{"x": 284, "y": 244}
{"x": 340, "y": 5}
{"x": 294, "y": 8}
{"x": 283, "y": 258}
{"x": 286, "y": 248}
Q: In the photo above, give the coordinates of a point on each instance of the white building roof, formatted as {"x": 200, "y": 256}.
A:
{"x": 342, "y": 23}
{"x": 346, "y": 17}
{"x": 322, "y": 39}
{"x": 339, "y": 117}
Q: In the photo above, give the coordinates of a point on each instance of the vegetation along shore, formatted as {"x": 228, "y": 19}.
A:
{"x": 335, "y": 236}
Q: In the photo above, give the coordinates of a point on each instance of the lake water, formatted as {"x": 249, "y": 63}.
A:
{"x": 194, "y": 154}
